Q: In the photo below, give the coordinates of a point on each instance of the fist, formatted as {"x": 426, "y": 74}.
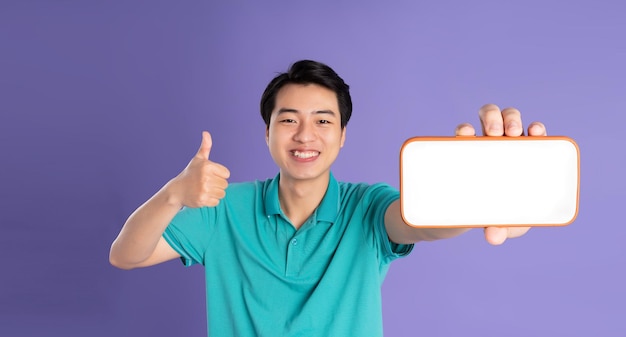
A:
{"x": 506, "y": 122}
{"x": 202, "y": 182}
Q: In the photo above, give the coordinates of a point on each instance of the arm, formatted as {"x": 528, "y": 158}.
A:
{"x": 140, "y": 242}
{"x": 399, "y": 232}
{"x": 494, "y": 122}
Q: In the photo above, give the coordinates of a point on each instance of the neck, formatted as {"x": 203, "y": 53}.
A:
{"x": 298, "y": 199}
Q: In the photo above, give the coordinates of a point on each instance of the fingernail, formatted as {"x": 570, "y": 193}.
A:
{"x": 514, "y": 129}
{"x": 535, "y": 130}
{"x": 513, "y": 125}
{"x": 495, "y": 128}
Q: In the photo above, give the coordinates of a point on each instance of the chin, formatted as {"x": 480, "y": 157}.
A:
{"x": 303, "y": 175}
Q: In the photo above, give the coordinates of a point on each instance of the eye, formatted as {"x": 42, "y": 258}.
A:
{"x": 324, "y": 121}
{"x": 287, "y": 121}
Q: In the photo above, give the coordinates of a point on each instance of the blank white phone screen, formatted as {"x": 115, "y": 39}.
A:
{"x": 471, "y": 183}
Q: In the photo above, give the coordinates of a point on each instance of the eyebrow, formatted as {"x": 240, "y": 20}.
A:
{"x": 290, "y": 110}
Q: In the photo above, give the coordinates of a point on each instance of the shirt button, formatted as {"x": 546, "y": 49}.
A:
{"x": 294, "y": 242}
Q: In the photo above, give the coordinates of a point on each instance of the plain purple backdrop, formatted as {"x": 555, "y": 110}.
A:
{"x": 103, "y": 102}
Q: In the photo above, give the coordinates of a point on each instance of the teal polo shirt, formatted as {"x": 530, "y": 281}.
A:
{"x": 265, "y": 278}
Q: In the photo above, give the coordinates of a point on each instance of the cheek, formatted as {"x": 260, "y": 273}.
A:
{"x": 271, "y": 136}
{"x": 342, "y": 138}
{"x": 273, "y": 140}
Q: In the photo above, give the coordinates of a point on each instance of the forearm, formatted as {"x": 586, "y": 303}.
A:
{"x": 400, "y": 232}
{"x": 140, "y": 234}
{"x": 431, "y": 234}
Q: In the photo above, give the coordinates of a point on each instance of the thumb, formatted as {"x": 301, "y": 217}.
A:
{"x": 496, "y": 235}
{"x": 205, "y": 146}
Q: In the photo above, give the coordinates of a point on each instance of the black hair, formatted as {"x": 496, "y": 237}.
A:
{"x": 308, "y": 72}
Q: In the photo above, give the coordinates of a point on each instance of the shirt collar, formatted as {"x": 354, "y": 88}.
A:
{"x": 272, "y": 204}
{"x": 326, "y": 211}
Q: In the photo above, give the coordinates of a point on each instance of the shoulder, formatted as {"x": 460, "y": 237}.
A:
{"x": 248, "y": 189}
{"x": 351, "y": 190}
{"x": 242, "y": 186}
{"x": 366, "y": 195}
{"x": 248, "y": 185}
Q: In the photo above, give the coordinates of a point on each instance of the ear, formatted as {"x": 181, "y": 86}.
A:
{"x": 267, "y": 135}
{"x": 343, "y": 136}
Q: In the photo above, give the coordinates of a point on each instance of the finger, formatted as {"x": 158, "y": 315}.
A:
{"x": 515, "y": 232}
{"x": 217, "y": 192}
{"x": 512, "y": 120}
{"x": 537, "y": 129}
{"x": 220, "y": 170}
{"x": 465, "y": 129}
{"x": 213, "y": 195}
{"x": 216, "y": 184}
{"x": 213, "y": 202}
{"x": 496, "y": 235}
{"x": 491, "y": 120}
{"x": 205, "y": 145}
{"x": 209, "y": 201}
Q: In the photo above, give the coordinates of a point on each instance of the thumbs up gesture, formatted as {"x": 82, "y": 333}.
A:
{"x": 202, "y": 182}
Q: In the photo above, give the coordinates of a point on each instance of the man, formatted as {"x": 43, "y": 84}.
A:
{"x": 300, "y": 254}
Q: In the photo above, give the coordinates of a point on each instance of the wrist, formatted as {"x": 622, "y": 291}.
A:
{"x": 171, "y": 196}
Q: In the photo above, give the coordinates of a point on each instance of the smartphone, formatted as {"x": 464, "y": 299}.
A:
{"x": 469, "y": 182}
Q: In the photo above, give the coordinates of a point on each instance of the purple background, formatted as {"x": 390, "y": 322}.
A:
{"x": 102, "y": 103}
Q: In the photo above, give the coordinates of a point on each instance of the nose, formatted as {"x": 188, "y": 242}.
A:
{"x": 305, "y": 132}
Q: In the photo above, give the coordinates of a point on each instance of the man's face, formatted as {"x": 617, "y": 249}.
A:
{"x": 304, "y": 135}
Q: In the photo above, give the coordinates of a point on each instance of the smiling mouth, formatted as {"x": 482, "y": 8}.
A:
{"x": 305, "y": 154}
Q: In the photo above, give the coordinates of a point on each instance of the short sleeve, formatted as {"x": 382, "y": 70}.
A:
{"x": 190, "y": 232}
{"x": 380, "y": 196}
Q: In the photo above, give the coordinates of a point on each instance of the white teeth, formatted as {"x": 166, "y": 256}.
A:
{"x": 304, "y": 155}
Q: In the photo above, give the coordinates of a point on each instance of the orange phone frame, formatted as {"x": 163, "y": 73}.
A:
{"x": 475, "y": 224}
